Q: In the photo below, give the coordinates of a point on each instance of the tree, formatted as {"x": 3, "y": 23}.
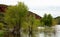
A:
{"x": 58, "y": 19}
{"x": 50, "y": 19}
{"x": 47, "y": 21}
{"x": 33, "y": 23}
{"x": 44, "y": 20}
{"x": 15, "y": 16}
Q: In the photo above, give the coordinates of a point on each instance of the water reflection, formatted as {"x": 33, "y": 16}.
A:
{"x": 41, "y": 34}
{"x": 50, "y": 32}
{"x": 57, "y": 30}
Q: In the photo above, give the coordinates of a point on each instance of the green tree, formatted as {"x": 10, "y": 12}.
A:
{"x": 44, "y": 20}
{"x": 33, "y": 24}
{"x": 15, "y": 16}
{"x": 47, "y": 20}
{"x": 50, "y": 19}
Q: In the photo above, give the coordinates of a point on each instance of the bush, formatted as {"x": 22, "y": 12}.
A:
{"x": 1, "y": 33}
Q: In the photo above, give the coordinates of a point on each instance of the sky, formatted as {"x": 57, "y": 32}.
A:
{"x": 39, "y": 7}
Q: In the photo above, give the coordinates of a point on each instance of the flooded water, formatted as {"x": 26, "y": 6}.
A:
{"x": 46, "y": 35}
{"x": 55, "y": 33}
{"x": 57, "y": 28}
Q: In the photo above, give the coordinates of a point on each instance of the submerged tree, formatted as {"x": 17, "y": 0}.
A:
{"x": 47, "y": 21}
{"x": 33, "y": 23}
{"x": 15, "y": 16}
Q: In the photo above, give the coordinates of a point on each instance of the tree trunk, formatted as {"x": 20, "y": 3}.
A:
{"x": 16, "y": 31}
{"x": 30, "y": 32}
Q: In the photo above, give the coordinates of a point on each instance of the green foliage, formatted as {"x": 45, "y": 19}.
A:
{"x": 50, "y": 19}
{"x": 44, "y": 20}
{"x": 58, "y": 19}
{"x": 1, "y": 33}
{"x": 47, "y": 20}
{"x": 16, "y": 14}
{"x": 1, "y": 26}
{"x": 55, "y": 22}
{"x": 33, "y": 21}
